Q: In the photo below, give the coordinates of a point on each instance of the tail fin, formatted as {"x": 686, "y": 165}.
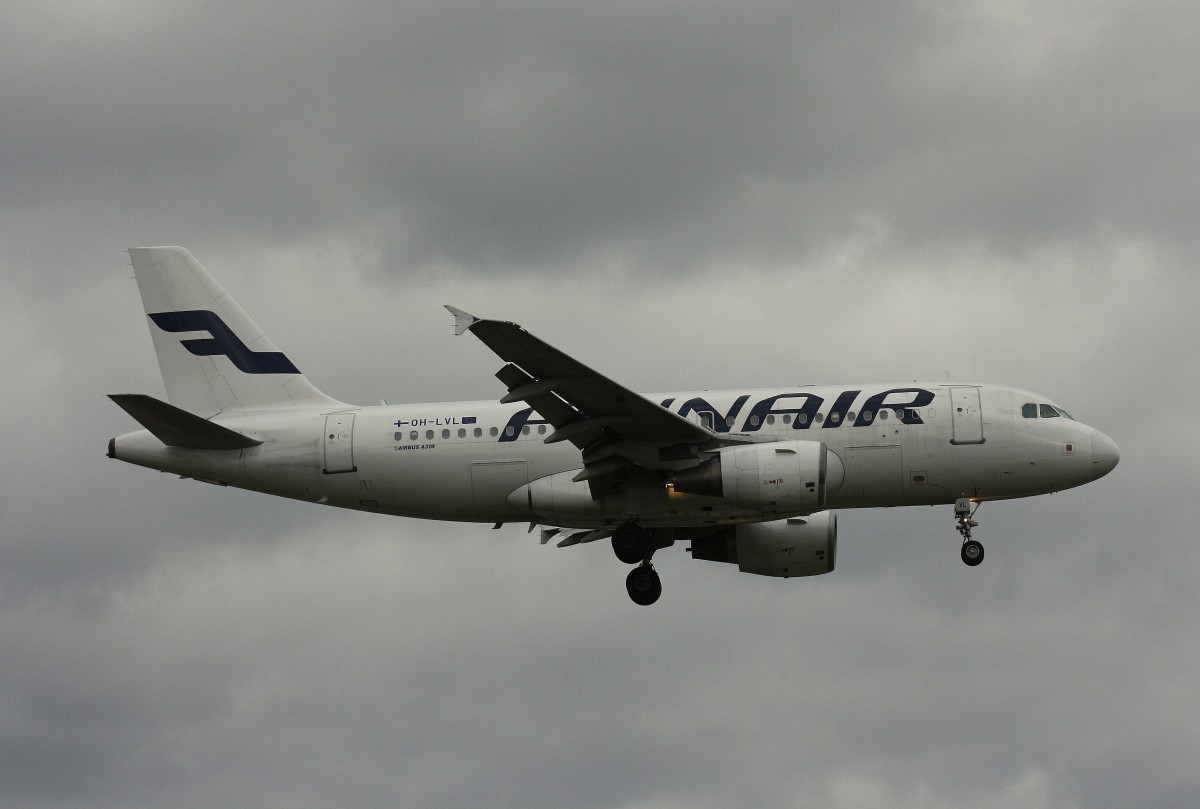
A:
{"x": 213, "y": 357}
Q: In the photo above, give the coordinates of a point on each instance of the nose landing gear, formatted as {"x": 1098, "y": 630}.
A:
{"x": 964, "y": 513}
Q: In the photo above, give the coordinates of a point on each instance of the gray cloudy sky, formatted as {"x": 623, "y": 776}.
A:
{"x": 680, "y": 195}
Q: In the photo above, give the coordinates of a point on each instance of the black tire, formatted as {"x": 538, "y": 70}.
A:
{"x": 972, "y": 552}
{"x": 630, "y": 542}
{"x": 643, "y": 585}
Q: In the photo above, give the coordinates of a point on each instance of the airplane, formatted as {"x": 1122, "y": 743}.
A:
{"x": 748, "y": 477}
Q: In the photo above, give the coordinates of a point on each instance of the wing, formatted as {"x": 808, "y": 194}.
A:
{"x": 616, "y": 429}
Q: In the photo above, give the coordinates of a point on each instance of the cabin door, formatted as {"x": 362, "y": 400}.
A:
{"x": 339, "y": 443}
{"x": 966, "y": 415}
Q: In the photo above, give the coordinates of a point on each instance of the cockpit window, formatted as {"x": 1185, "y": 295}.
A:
{"x": 1030, "y": 410}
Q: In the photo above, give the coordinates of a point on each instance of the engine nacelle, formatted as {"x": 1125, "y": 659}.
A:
{"x": 778, "y": 476}
{"x": 795, "y": 547}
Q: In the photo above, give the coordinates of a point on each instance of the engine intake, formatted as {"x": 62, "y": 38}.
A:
{"x": 796, "y": 547}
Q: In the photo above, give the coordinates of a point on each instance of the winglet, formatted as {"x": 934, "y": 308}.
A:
{"x": 462, "y": 320}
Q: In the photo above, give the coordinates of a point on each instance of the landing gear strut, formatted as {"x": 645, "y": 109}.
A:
{"x": 634, "y": 545}
{"x": 964, "y": 513}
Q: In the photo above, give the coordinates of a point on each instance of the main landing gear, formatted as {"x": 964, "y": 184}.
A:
{"x": 634, "y": 545}
{"x": 643, "y": 584}
{"x": 964, "y": 513}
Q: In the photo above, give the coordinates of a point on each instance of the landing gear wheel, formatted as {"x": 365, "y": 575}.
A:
{"x": 972, "y": 552}
{"x": 964, "y": 521}
{"x": 643, "y": 585}
{"x": 630, "y": 542}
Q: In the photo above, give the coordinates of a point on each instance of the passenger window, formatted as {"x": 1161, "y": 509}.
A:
{"x": 494, "y": 432}
{"x": 478, "y": 432}
{"x": 412, "y": 436}
{"x": 1029, "y": 410}
{"x": 462, "y": 433}
{"x": 429, "y": 435}
{"x": 1048, "y": 412}
{"x": 445, "y": 433}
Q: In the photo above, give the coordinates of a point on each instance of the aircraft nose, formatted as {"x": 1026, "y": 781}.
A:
{"x": 1104, "y": 454}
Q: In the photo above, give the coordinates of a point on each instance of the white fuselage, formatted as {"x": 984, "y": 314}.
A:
{"x": 751, "y": 478}
{"x": 889, "y": 445}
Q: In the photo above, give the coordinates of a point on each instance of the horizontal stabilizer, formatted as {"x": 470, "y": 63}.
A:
{"x": 179, "y": 428}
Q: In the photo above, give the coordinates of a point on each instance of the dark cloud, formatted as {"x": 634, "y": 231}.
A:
{"x": 681, "y": 195}
{"x": 518, "y": 136}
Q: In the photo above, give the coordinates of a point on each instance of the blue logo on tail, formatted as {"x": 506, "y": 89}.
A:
{"x": 223, "y": 341}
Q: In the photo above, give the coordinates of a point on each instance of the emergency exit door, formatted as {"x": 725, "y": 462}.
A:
{"x": 339, "y": 443}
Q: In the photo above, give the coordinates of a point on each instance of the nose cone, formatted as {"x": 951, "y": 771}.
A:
{"x": 1104, "y": 455}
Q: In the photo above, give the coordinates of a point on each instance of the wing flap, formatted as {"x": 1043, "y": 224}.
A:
{"x": 529, "y": 389}
{"x": 610, "y": 424}
{"x": 539, "y": 397}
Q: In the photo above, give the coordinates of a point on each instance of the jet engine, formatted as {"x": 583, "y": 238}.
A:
{"x": 796, "y": 547}
{"x": 776, "y": 476}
